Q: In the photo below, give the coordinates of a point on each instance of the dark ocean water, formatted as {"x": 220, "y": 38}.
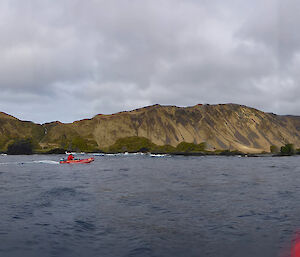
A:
{"x": 148, "y": 206}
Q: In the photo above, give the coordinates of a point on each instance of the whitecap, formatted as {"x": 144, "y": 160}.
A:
{"x": 98, "y": 154}
{"x": 159, "y": 155}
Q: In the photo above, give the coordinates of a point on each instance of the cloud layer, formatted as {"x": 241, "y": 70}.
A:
{"x": 70, "y": 59}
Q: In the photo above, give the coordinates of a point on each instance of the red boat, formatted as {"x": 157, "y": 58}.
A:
{"x": 88, "y": 160}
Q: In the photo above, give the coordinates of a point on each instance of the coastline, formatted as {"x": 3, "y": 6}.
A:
{"x": 154, "y": 153}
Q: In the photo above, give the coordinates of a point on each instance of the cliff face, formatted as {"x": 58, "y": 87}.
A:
{"x": 227, "y": 126}
{"x": 12, "y": 129}
{"x": 220, "y": 126}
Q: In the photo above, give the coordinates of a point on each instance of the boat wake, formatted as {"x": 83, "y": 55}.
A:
{"x": 46, "y": 162}
{"x": 30, "y": 162}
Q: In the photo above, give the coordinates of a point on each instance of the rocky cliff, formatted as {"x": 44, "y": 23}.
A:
{"x": 223, "y": 126}
{"x": 12, "y": 129}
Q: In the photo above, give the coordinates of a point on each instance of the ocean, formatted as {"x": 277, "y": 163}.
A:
{"x": 143, "y": 205}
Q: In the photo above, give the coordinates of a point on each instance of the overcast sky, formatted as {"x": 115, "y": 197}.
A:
{"x": 69, "y": 59}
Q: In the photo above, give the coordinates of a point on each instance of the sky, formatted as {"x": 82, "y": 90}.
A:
{"x": 67, "y": 60}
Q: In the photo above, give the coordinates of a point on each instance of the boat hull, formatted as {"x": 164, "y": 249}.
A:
{"x": 77, "y": 161}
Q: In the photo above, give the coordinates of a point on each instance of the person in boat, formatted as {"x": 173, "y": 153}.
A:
{"x": 70, "y": 157}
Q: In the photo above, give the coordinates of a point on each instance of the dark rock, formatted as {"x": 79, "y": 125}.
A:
{"x": 20, "y": 147}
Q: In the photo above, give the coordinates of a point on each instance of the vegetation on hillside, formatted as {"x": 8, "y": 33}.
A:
{"x": 274, "y": 149}
{"x": 287, "y": 149}
{"x": 163, "y": 149}
{"x": 132, "y": 144}
{"x": 3, "y": 143}
{"x": 190, "y": 147}
{"x": 142, "y": 144}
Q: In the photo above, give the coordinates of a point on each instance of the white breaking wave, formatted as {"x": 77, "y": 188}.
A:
{"x": 130, "y": 154}
{"x": 98, "y": 154}
{"x": 159, "y": 155}
{"x": 74, "y": 153}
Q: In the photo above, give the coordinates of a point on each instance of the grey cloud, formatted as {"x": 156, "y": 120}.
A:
{"x": 108, "y": 56}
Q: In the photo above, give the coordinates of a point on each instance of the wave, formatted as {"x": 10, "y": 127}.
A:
{"x": 117, "y": 154}
{"x": 130, "y": 154}
{"x": 98, "y": 154}
{"x": 74, "y": 153}
{"x": 159, "y": 155}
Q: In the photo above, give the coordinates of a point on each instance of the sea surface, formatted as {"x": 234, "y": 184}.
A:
{"x": 141, "y": 205}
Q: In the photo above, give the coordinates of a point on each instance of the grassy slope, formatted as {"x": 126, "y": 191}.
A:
{"x": 220, "y": 126}
{"x": 227, "y": 126}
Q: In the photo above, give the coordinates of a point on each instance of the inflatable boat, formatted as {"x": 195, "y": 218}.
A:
{"x": 88, "y": 160}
